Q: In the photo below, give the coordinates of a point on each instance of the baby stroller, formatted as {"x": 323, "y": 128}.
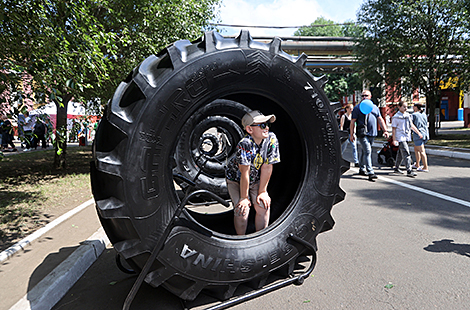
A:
{"x": 387, "y": 153}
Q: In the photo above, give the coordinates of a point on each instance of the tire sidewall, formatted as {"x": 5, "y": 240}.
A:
{"x": 151, "y": 144}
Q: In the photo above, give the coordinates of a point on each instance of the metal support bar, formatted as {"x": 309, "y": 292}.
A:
{"x": 202, "y": 166}
{"x": 140, "y": 279}
{"x": 295, "y": 280}
{"x": 121, "y": 266}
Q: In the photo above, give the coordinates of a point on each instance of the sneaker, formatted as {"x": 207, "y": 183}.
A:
{"x": 372, "y": 177}
{"x": 396, "y": 170}
{"x": 357, "y": 165}
{"x": 422, "y": 170}
{"x": 362, "y": 172}
{"x": 413, "y": 166}
{"x": 26, "y": 150}
{"x": 411, "y": 174}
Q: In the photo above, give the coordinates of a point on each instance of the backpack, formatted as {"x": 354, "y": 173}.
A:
{"x": 39, "y": 129}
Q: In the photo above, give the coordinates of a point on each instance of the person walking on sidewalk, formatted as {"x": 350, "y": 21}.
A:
{"x": 345, "y": 124}
{"x": 401, "y": 133}
{"x": 7, "y": 134}
{"x": 28, "y": 131}
{"x": 367, "y": 131}
{"x": 39, "y": 133}
{"x": 421, "y": 122}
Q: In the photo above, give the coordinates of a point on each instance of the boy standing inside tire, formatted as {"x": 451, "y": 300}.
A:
{"x": 249, "y": 171}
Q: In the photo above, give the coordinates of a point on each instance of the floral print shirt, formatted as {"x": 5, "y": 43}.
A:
{"x": 249, "y": 153}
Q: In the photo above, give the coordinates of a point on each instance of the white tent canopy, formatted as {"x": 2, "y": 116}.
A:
{"x": 73, "y": 108}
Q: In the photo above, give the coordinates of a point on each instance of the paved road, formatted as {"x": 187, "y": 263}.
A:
{"x": 395, "y": 245}
{"x": 27, "y": 268}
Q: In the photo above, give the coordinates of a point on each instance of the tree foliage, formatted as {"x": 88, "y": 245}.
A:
{"x": 82, "y": 49}
{"x": 414, "y": 44}
{"x": 342, "y": 84}
{"x": 321, "y": 27}
{"x": 339, "y": 84}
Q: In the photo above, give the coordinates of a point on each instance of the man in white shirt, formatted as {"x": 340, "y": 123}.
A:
{"x": 401, "y": 132}
{"x": 28, "y": 131}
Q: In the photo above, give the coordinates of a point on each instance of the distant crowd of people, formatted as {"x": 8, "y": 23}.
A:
{"x": 35, "y": 131}
{"x": 32, "y": 131}
{"x": 363, "y": 125}
{"x": 82, "y": 131}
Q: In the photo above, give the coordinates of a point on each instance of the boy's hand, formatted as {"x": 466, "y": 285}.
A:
{"x": 242, "y": 207}
{"x": 264, "y": 200}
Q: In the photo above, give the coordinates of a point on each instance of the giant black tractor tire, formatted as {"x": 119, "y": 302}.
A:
{"x": 207, "y": 139}
{"x": 134, "y": 160}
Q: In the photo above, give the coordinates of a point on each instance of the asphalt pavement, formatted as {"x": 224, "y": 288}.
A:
{"x": 402, "y": 244}
{"x": 398, "y": 243}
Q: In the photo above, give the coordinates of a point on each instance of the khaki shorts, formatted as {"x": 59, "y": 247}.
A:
{"x": 234, "y": 192}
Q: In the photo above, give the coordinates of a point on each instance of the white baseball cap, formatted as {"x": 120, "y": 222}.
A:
{"x": 256, "y": 116}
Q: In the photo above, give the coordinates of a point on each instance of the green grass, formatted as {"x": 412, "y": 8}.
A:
{"x": 32, "y": 192}
{"x": 452, "y": 140}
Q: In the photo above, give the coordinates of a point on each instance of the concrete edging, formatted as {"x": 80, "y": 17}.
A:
{"x": 56, "y": 284}
{"x": 448, "y": 153}
{"x": 437, "y": 152}
{"x": 20, "y": 245}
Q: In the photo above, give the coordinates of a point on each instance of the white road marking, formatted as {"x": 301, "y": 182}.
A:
{"x": 422, "y": 190}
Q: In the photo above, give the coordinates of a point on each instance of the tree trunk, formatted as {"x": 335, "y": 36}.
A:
{"x": 60, "y": 143}
{"x": 432, "y": 103}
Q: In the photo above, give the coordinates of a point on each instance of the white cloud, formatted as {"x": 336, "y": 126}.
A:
{"x": 268, "y": 13}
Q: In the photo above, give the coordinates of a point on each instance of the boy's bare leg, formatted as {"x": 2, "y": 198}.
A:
{"x": 262, "y": 217}
{"x": 240, "y": 222}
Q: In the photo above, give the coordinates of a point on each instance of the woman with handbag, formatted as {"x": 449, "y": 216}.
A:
{"x": 345, "y": 124}
{"x": 420, "y": 120}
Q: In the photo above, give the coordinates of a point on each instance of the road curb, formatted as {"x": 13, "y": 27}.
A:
{"x": 437, "y": 152}
{"x": 448, "y": 153}
{"x": 56, "y": 284}
{"x": 20, "y": 245}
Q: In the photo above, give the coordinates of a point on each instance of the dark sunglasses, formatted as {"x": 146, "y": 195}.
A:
{"x": 262, "y": 126}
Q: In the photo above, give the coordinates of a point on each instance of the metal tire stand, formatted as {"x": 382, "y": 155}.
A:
{"x": 140, "y": 279}
{"x": 297, "y": 280}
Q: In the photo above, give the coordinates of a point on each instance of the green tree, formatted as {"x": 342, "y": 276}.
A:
{"x": 414, "y": 44}
{"x": 339, "y": 84}
{"x": 82, "y": 49}
{"x": 321, "y": 27}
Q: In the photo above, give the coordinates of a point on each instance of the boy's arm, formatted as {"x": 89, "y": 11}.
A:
{"x": 415, "y": 129}
{"x": 244, "y": 202}
{"x": 383, "y": 125}
{"x": 394, "y": 135}
{"x": 265, "y": 175}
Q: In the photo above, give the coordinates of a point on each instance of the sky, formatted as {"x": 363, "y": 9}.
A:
{"x": 282, "y": 13}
